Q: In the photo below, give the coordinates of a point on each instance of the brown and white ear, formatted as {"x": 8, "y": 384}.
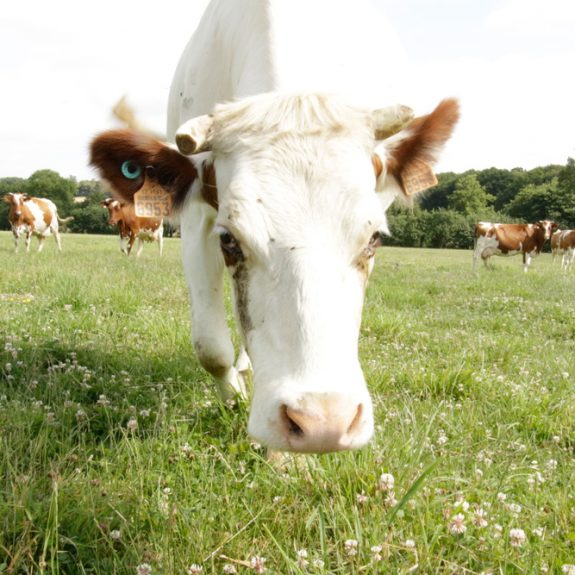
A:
{"x": 127, "y": 159}
{"x": 407, "y": 158}
{"x": 8, "y": 198}
{"x": 193, "y": 136}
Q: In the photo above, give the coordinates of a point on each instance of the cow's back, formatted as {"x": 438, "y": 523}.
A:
{"x": 254, "y": 46}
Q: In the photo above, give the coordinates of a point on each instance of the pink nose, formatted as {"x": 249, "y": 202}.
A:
{"x": 321, "y": 423}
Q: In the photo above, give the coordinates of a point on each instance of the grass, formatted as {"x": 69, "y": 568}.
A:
{"x": 115, "y": 453}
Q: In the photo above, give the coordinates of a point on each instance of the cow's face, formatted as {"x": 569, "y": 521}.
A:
{"x": 548, "y": 227}
{"x": 114, "y": 210}
{"x": 16, "y": 202}
{"x": 297, "y": 223}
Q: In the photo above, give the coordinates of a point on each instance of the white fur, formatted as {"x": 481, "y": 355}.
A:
{"x": 295, "y": 188}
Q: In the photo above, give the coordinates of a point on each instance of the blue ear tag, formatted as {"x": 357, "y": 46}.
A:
{"x": 131, "y": 170}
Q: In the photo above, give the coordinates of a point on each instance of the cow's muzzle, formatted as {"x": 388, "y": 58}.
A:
{"x": 324, "y": 422}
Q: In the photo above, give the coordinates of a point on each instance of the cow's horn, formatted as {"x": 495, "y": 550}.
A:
{"x": 390, "y": 120}
{"x": 192, "y": 137}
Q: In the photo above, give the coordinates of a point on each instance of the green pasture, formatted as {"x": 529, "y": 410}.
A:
{"x": 117, "y": 458}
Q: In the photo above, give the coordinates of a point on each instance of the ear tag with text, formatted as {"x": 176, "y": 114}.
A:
{"x": 152, "y": 201}
{"x": 418, "y": 177}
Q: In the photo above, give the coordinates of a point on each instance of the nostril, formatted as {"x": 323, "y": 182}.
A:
{"x": 355, "y": 422}
{"x": 289, "y": 422}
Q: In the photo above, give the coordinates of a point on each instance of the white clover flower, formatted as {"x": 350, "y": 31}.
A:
{"x": 115, "y": 535}
{"x": 457, "y": 525}
{"x": 229, "y": 568}
{"x": 361, "y": 498}
{"x": 350, "y": 547}
{"x": 302, "y": 561}
{"x": 409, "y": 544}
{"x": 144, "y": 569}
{"x": 318, "y": 563}
{"x": 501, "y": 497}
{"x": 386, "y": 482}
{"x": 517, "y": 537}
{"x": 568, "y": 569}
{"x": 479, "y": 518}
{"x": 132, "y": 424}
{"x": 194, "y": 569}
{"x": 538, "y": 532}
{"x": 257, "y": 564}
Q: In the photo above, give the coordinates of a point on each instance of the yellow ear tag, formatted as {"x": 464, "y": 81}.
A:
{"x": 152, "y": 201}
{"x": 417, "y": 177}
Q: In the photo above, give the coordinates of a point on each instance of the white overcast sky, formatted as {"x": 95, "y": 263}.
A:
{"x": 64, "y": 63}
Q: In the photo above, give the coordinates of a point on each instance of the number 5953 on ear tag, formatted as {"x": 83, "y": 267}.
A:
{"x": 152, "y": 201}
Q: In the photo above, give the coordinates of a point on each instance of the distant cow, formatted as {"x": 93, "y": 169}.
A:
{"x": 33, "y": 216}
{"x": 567, "y": 247}
{"x": 133, "y": 227}
{"x": 510, "y": 239}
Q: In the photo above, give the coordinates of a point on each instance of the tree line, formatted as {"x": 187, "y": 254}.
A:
{"x": 443, "y": 217}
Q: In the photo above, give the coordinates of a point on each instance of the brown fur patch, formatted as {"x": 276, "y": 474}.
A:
{"x": 173, "y": 172}
{"x": 427, "y": 134}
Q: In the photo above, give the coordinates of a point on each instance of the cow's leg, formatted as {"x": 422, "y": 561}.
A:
{"x": 526, "y": 261}
{"x": 161, "y": 243}
{"x": 203, "y": 269}
{"x": 131, "y": 240}
{"x": 58, "y": 238}
{"x": 476, "y": 256}
{"x": 41, "y": 243}
{"x": 16, "y": 234}
{"x": 28, "y": 240}
{"x": 140, "y": 246}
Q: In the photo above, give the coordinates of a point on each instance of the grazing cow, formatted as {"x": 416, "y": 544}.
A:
{"x": 33, "y": 216}
{"x": 132, "y": 226}
{"x": 288, "y": 189}
{"x": 567, "y": 247}
{"x": 509, "y": 240}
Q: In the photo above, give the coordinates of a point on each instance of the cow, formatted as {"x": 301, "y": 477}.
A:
{"x": 287, "y": 188}
{"x": 133, "y": 227}
{"x": 30, "y": 216}
{"x": 567, "y": 247}
{"x": 510, "y": 239}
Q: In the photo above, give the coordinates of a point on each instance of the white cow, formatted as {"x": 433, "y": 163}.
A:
{"x": 303, "y": 181}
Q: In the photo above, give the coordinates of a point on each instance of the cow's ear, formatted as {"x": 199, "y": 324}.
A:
{"x": 407, "y": 158}
{"x": 8, "y": 198}
{"x": 126, "y": 159}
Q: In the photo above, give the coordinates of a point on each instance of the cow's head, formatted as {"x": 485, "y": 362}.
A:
{"x": 303, "y": 183}
{"x": 114, "y": 208}
{"x": 16, "y": 201}
{"x": 548, "y": 227}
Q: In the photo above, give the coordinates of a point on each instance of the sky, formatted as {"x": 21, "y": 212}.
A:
{"x": 65, "y": 63}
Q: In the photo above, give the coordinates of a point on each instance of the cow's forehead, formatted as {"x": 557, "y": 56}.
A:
{"x": 297, "y": 198}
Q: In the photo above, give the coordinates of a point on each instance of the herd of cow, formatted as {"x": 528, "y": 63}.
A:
{"x": 38, "y": 216}
{"x": 525, "y": 239}
{"x": 30, "y": 216}
{"x": 281, "y": 171}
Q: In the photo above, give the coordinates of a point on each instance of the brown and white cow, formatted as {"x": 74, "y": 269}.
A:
{"x": 133, "y": 227}
{"x": 510, "y": 239}
{"x": 567, "y": 247}
{"x": 31, "y": 216}
{"x": 287, "y": 186}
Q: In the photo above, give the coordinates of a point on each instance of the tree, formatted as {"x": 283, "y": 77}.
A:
{"x": 534, "y": 202}
{"x": 469, "y": 197}
{"x": 49, "y": 184}
{"x": 502, "y": 184}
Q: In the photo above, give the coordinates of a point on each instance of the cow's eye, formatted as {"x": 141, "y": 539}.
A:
{"x": 230, "y": 248}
